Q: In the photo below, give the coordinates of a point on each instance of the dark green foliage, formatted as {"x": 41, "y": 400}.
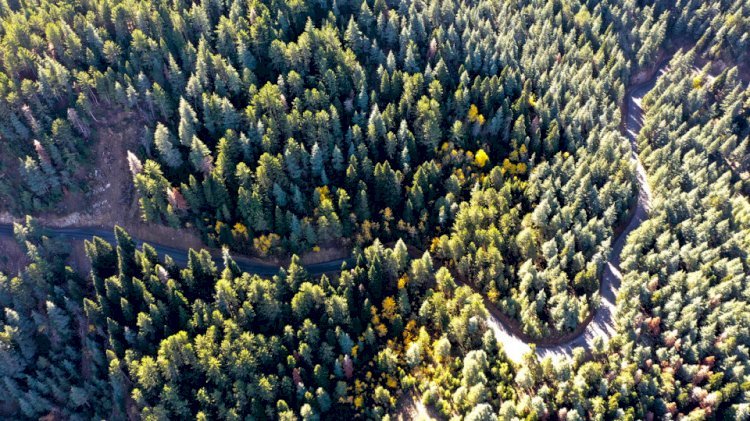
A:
{"x": 199, "y": 343}
{"x": 50, "y": 362}
{"x": 487, "y": 132}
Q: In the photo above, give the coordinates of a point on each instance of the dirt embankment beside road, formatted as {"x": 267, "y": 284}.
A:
{"x": 110, "y": 198}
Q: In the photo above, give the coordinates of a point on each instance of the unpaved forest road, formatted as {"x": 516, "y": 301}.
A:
{"x": 601, "y": 325}
{"x": 180, "y": 255}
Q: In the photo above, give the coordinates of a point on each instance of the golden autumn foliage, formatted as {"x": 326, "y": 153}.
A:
{"x": 391, "y": 382}
{"x": 532, "y": 100}
{"x": 473, "y": 113}
{"x": 240, "y": 229}
{"x": 434, "y": 244}
{"x": 513, "y": 169}
{"x": 240, "y": 233}
{"x": 390, "y": 309}
{"x": 410, "y": 332}
{"x": 324, "y": 192}
{"x": 481, "y": 158}
{"x": 493, "y": 295}
{"x": 265, "y": 243}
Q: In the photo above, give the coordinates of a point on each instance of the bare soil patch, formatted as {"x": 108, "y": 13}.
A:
{"x": 110, "y": 198}
{"x": 410, "y": 407}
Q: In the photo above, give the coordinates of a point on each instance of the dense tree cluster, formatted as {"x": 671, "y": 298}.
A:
{"x": 51, "y": 361}
{"x": 542, "y": 265}
{"x": 685, "y": 305}
{"x": 719, "y": 28}
{"x": 534, "y": 238}
{"x": 253, "y": 108}
{"x": 208, "y": 341}
{"x": 486, "y": 132}
{"x": 278, "y": 127}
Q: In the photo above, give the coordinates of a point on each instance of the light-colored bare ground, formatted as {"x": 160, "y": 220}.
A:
{"x": 110, "y": 199}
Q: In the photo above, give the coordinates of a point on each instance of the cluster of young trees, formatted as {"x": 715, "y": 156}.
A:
{"x": 720, "y": 29}
{"x": 540, "y": 263}
{"x": 717, "y": 29}
{"x": 49, "y": 75}
{"x": 460, "y": 371}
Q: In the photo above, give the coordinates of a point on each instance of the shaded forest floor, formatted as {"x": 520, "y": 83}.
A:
{"x": 12, "y": 258}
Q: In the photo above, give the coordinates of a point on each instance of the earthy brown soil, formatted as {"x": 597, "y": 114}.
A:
{"x": 410, "y": 407}
{"x": 110, "y": 198}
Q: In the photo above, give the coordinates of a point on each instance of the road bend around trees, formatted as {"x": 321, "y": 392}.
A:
{"x": 601, "y": 324}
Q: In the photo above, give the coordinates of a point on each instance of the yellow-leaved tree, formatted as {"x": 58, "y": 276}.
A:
{"x": 481, "y": 158}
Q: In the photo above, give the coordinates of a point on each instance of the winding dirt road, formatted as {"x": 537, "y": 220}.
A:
{"x": 602, "y": 325}
{"x": 180, "y": 255}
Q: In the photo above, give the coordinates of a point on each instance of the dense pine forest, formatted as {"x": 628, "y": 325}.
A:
{"x": 480, "y": 163}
